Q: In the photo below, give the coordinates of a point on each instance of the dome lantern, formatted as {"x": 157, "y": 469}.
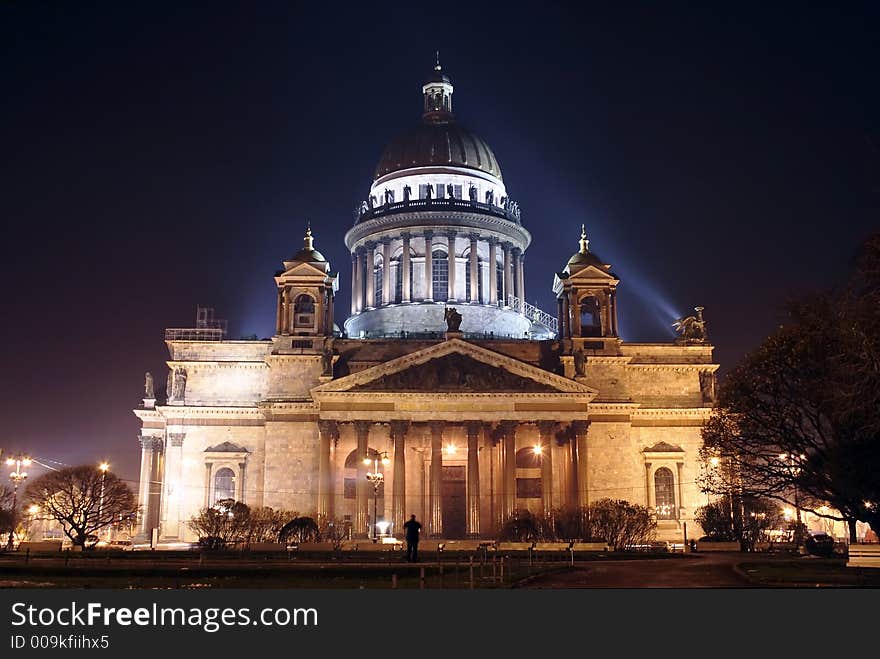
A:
{"x": 437, "y": 93}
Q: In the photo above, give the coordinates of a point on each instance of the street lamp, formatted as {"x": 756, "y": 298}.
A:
{"x": 376, "y": 478}
{"x": 17, "y": 475}
{"x": 103, "y": 467}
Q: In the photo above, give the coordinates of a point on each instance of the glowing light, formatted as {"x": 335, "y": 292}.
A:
{"x": 538, "y": 449}
{"x": 451, "y": 449}
{"x": 10, "y": 462}
{"x": 26, "y": 462}
{"x": 104, "y": 466}
{"x": 33, "y": 509}
{"x": 714, "y": 461}
{"x": 386, "y": 461}
{"x": 383, "y": 527}
{"x": 789, "y": 513}
{"x": 367, "y": 461}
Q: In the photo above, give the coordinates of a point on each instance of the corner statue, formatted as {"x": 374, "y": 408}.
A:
{"x": 692, "y": 328}
{"x": 453, "y": 319}
{"x": 148, "y": 386}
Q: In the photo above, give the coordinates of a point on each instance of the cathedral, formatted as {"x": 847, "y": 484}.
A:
{"x": 443, "y": 393}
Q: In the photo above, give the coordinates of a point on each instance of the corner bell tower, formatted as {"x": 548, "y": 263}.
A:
{"x": 306, "y": 290}
{"x": 586, "y": 294}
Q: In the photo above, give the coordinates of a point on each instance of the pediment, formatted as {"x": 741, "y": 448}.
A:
{"x": 592, "y": 273}
{"x": 301, "y": 269}
{"x": 226, "y": 447}
{"x": 456, "y": 366}
{"x": 663, "y": 447}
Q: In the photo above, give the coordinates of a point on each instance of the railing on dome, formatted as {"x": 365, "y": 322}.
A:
{"x": 534, "y": 314}
{"x": 434, "y": 336}
{"x": 509, "y": 210}
{"x": 194, "y": 334}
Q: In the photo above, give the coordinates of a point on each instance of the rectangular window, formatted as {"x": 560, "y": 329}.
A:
{"x": 528, "y": 488}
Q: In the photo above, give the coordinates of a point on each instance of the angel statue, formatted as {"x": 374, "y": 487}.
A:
{"x": 452, "y": 318}
{"x": 691, "y": 328}
{"x": 148, "y": 386}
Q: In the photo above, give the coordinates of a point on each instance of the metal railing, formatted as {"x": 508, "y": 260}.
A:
{"x": 509, "y": 212}
{"x": 195, "y": 334}
{"x": 533, "y": 313}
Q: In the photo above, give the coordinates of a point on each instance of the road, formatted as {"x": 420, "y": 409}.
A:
{"x": 695, "y": 571}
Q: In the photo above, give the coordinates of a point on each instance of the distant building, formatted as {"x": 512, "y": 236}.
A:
{"x": 482, "y": 404}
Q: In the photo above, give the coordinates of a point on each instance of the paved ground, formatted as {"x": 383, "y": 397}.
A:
{"x": 695, "y": 571}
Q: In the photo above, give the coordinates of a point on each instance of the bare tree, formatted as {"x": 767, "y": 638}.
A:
{"x": 82, "y": 499}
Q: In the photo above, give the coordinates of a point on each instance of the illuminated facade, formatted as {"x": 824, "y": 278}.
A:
{"x": 492, "y": 408}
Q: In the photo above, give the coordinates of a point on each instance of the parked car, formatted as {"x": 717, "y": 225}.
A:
{"x": 820, "y": 544}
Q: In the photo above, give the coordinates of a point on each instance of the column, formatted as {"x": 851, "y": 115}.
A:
{"x": 521, "y": 281}
{"x": 144, "y": 484}
{"x": 386, "y": 270}
{"x": 398, "y": 496}
{"x": 514, "y": 260}
{"x": 570, "y": 493}
{"x": 429, "y": 292}
{"x": 560, "y": 319}
{"x": 680, "y": 504}
{"x": 358, "y": 291}
{"x": 574, "y": 313}
{"x": 362, "y": 486}
{"x": 493, "y": 271}
{"x": 581, "y": 477}
{"x": 329, "y": 435}
{"x": 547, "y": 432}
{"x": 279, "y": 318}
{"x": 508, "y": 289}
{"x": 474, "y": 265}
{"x": 450, "y": 252}
{"x": 173, "y": 485}
{"x": 353, "y": 283}
{"x": 328, "y": 329}
{"x": 370, "y": 259}
{"x": 435, "y": 523}
{"x": 406, "y": 292}
{"x": 473, "y": 479}
{"x": 285, "y": 320}
{"x": 508, "y": 500}
{"x": 649, "y": 491}
{"x": 614, "y": 313}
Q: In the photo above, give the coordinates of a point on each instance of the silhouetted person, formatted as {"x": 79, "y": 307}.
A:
{"x": 412, "y": 529}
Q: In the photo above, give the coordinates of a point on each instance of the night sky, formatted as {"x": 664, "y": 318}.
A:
{"x": 158, "y": 156}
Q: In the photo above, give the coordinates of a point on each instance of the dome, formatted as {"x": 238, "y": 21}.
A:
{"x": 584, "y": 257}
{"x": 308, "y": 254}
{"x": 438, "y": 144}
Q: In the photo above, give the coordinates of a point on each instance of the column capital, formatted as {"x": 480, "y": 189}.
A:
{"x": 427, "y": 233}
{"x": 385, "y": 240}
{"x": 329, "y": 428}
{"x": 506, "y": 245}
{"x": 474, "y": 428}
{"x": 493, "y": 240}
{"x": 398, "y": 428}
{"x": 405, "y": 235}
{"x": 580, "y": 427}
{"x": 473, "y": 237}
{"x": 451, "y": 233}
{"x": 362, "y": 428}
{"x": 176, "y": 438}
{"x": 547, "y": 427}
{"x": 517, "y": 251}
{"x": 150, "y": 443}
{"x": 359, "y": 250}
{"x": 370, "y": 245}
{"x": 436, "y": 426}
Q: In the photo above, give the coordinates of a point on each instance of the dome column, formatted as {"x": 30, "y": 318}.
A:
{"x": 386, "y": 270}
{"x": 353, "y": 283}
{"x": 370, "y": 275}
{"x": 474, "y": 265}
{"x": 450, "y": 253}
{"x": 429, "y": 258}
{"x": 359, "y": 281}
{"x": 493, "y": 271}
{"x": 404, "y": 272}
{"x": 520, "y": 280}
{"x": 285, "y": 319}
{"x": 508, "y": 278}
{"x": 280, "y": 315}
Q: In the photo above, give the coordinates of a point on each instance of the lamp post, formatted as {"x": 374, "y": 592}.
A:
{"x": 17, "y": 476}
{"x": 376, "y": 478}
{"x": 103, "y": 467}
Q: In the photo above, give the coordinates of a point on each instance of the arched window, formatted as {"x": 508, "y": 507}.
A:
{"x": 591, "y": 321}
{"x": 224, "y": 484}
{"x": 378, "y": 272}
{"x": 303, "y": 311}
{"x": 499, "y": 282}
{"x": 398, "y": 280}
{"x": 467, "y": 280}
{"x": 352, "y": 462}
{"x": 439, "y": 275}
{"x": 528, "y": 485}
{"x": 664, "y": 493}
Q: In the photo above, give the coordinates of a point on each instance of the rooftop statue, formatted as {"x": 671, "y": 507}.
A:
{"x": 148, "y": 386}
{"x": 452, "y": 318}
{"x": 691, "y": 329}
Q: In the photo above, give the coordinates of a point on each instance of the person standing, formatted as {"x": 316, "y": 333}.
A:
{"x": 412, "y": 529}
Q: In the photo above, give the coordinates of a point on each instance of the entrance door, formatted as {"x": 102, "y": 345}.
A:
{"x": 453, "y": 502}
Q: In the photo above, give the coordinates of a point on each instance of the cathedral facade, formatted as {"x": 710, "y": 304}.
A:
{"x": 471, "y": 403}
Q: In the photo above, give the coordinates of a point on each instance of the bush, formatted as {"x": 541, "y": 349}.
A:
{"x": 301, "y": 529}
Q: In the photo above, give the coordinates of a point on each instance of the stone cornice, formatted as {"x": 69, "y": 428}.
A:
{"x": 174, "y": 412}
{"x": 676, "y": 368}
{"x": 440, "y": 221}
{"x": 148, "y": 415}
{"x": 658, "y": 412}
{"x": 195, "y": 365}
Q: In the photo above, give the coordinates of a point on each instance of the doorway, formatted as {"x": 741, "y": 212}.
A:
{"x": 453, "y": 501}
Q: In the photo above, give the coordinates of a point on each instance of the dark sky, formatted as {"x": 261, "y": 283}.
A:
{"x": 158, "y": 155}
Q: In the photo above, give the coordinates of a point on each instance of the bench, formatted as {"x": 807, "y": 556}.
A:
{"x": 317, "y": 547}
{"x": 551, "y": 546}
{"x": 717, "y": 546}
{"x": 864, "y": 556}
{"x": 472, "y": 546}
{"x": 589, "y": 546}
{"x": 40, "y": 545}
{"x": 514, "y": 546}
